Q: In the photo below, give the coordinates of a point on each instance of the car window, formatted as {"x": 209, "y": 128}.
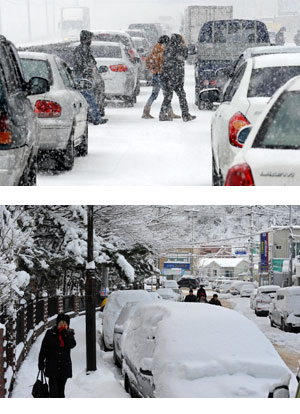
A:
{"x": 234, "y": 84}
{"x": 264, "y": 82}
{"x": 281, "y": 128}
{"x": 106, "y": 37}
{"x": 36, "y": 68}
{"x": 107, "y": 52}
{"x": 65, "y": 74}
{"x": 2, "y": 92}
{"x": 10, "y": 79}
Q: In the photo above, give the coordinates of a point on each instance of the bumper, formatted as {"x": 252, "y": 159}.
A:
{"x": 123, "y": 86}
{"x": 12, "y": 164}
{"x": 54, "y": 136}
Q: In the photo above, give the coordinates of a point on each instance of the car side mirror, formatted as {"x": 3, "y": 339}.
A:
{"x": 103, "y": 69}
{"x": 141, "y": 50}
{"x": 210, "y": 95}
{"x": 243, "y": 134}
{"x": 222, "y": 73}
{"x": 37, "y": 86}
{"x": 146, "y": 372}
{"x": 84, "y": 85}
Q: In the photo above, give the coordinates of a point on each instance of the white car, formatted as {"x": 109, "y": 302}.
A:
{"x": 247, "y": 290}
{"x": 121, "y": 80}
{"x": 285, "y": 309}
{"x": 245, "y": 98}
{"x": 263, "y": 299}
{"x": 171, "y": 294}
{"x": 181, "y": 350}
{"x": 62, "y": 112}
{"x": 271, "y": 156}
{"x": 115, "y": 302}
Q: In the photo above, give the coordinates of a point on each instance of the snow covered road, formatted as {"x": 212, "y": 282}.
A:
{"x": 135, "y": 152}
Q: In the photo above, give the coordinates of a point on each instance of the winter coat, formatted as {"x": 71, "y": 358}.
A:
{"x": 155, "y": 60}
{"x": 279, "y": 39}
{"x": 215, "y": 302}
{"x": 84, "y": 62}
{"x": 174, "y": 61}
{"x": 55, "y": 359}
{"x": 201, "y": 292}
{"x": 190, "y": 298}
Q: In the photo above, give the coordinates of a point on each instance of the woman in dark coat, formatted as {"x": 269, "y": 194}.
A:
{"x": 173, "y": 76}
{"x": 55, "y": 355}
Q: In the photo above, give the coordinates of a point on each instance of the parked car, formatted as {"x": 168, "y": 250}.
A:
{"x": 115, "y": 302}
{"x": 220, "y": 44}
{"x": 247, "y": 290}
{"x": 285, "y": 309}
{"x": 188, "y": 282}
{"x": 62, "y": 111}
{"x": 270, "y": 156}
{"x": 152, "y": 31}
{"x": 225, "y": 286}
{"x": 143, "y": 48}
{"x": 170, "y": 294}
{"x": 236, "y": 287}
{"x": 121, "y": 78}
{"x": 245, "y": 98}
{"x": 252, "y": 299}
{"x": 123, "y": 320}
{"x": 173, "y": 350}
{"x": 19, "y": 126}
{"x": 263, "y": 299}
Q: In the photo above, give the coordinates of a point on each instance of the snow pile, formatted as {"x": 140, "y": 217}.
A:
{"x": 202, "y": 351}
{"x": 126, "y": 267}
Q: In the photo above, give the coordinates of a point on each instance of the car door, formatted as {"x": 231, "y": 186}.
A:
{"x": 78, "y": 103}
{"x": 234, "y": 102}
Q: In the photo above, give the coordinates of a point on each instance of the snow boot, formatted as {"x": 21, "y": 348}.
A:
{"x": 188, "y": 117}
{"x": 146, "y": 113}
{"x": 164, "y": 117}
{"x": 172, "y": 115}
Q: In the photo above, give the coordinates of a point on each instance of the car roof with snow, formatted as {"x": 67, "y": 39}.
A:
{"x": 289, "y": 59}
{"x": 268, "y": 288}
{"x": 265, "y": 50}
{"x": 37, "y": 55}
{"x": 202, "y": 351}
{"x": 291, "y": 290}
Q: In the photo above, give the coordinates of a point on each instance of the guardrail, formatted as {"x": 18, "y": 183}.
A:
{"x": 18, "y": 334}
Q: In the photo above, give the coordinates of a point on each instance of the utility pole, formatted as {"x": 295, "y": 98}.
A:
{"x": 29, "y": 20}
{"x": 291, "y": 247}
{"x": 251, "y": 245}
{"x": 90, "y": 297}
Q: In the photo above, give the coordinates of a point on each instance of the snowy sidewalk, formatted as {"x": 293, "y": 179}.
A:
{"x": 106, "y": 382}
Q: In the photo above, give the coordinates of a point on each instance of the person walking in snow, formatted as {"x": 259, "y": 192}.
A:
{"x": 154, "y": 63}
{"x": 85, "y": 67}
{"x": 175, "y": 54}
{"x": 215, "y": 300}
{"x": 55, "y": 355}
{"x": 201, "y": 294}
{"x": 191, "y": 297}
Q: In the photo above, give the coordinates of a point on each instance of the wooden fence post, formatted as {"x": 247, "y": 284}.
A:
{"x": 2, "y": 362}
{"x": 60, "y": 302}
{"x": 33, "y": 298}
{"x": 24, "y": 325}
{"x": 11, "y": 339}
{"x": 45, "y": 314}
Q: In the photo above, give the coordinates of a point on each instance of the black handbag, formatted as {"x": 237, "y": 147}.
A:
{"x": 40, "y": 388}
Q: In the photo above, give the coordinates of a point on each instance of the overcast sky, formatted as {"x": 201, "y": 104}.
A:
{"x": 113, "y": 14}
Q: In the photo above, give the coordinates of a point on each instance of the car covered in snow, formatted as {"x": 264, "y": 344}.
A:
{"x": 62, "y": 111}
{"x": 236, "y": 286}
{"x": 285, "y": 309}
{"x": 263, "y": 299}
{"x": 181, "y": 350}
{"x": 19, "y": 127}
{"x": 247, "y": 290}
{"x": 244, "y": 100}
{"x": 270, "y": 156}
{"x": 170, "y": 294}
{"x": 115, "y": 302}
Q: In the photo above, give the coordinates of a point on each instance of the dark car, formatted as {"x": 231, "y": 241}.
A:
{"x": 19, "y": 127}
{"x": 188, "y": 282}
{"x": 152, "y": 31}
{"x": 220, "y": 44}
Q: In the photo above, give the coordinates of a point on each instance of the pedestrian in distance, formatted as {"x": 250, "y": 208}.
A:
{"x": 154, "y": 62}
{"x": 175, "y": 55}
{"x": 201, "y": 294}
{"x": 297, "y": 38}
{"x": 215, "y": 301}
{"x": 191, "y": 297}
{"x": 85, "y": 67}
{"x": 55, "y": 355}
{"x": 279, "y": 38}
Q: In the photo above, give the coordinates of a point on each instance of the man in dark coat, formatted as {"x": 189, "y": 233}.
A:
{"x": 215, "y": 300}
{"x": 175, "y": 54}
{"x": 55, "y": 355}
{"x": 85, "y": 67}
{"x": 191, "y": 297}
{"x": 201, "y": 294}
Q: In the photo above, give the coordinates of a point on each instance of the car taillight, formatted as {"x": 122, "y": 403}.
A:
{"x": 131, "y": 52}
{"x": 5, "y": 133}
{"x": 213, "y": 83}
{"x": 118, "y": 68}
{"x": 239, "y": 175}
{"x": 236, "y": 123}
{"x": 206, "y": 82}
{"x": 47, "y": 109}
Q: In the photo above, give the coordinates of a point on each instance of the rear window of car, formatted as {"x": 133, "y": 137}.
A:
{"x": 36, "y": 68}
{"x": 264, "y": 82}
{"x": 103, "y": 37}
{"x": 281, "y": 128}
{"x": 234, "y": 32}
{"x": 107, "y": 52}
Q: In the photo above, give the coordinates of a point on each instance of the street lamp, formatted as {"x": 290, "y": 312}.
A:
{"x": 193, "y": 211}
{"x": 90, "y": 297}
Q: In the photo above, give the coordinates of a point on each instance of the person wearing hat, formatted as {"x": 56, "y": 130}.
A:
{"x": 191, "y": 297}
{"x": 55, "y": 355}
{"x": 85, "y": 67}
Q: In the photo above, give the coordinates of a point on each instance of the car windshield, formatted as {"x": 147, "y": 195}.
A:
{"x": 107, "y": 52}
{"x": 281, "y": 129}
{"x": 107, "y": 37}
{"x": 36, "y": 68}
{"x": 264, "y": 82}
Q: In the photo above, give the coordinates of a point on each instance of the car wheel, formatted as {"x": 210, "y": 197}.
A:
{"x": 137, "y": 89}
{"x": 127, "y": 385}
{"x": 283, "y": 326}
{"x": 68, "y": 155}
{"x": 129, "y": 101}
{"x": 83, "y": 149}
{"x": 216, "y": 177}
{"x": 272, "y": 323}
{"x": 28, "y": 178}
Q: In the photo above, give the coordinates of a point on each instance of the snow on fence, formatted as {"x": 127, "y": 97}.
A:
{"x": 17, "y": 335}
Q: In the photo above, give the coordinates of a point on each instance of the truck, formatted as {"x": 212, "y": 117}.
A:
{"x": 196, "y": 16}
{"x": 73, "y": 20}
